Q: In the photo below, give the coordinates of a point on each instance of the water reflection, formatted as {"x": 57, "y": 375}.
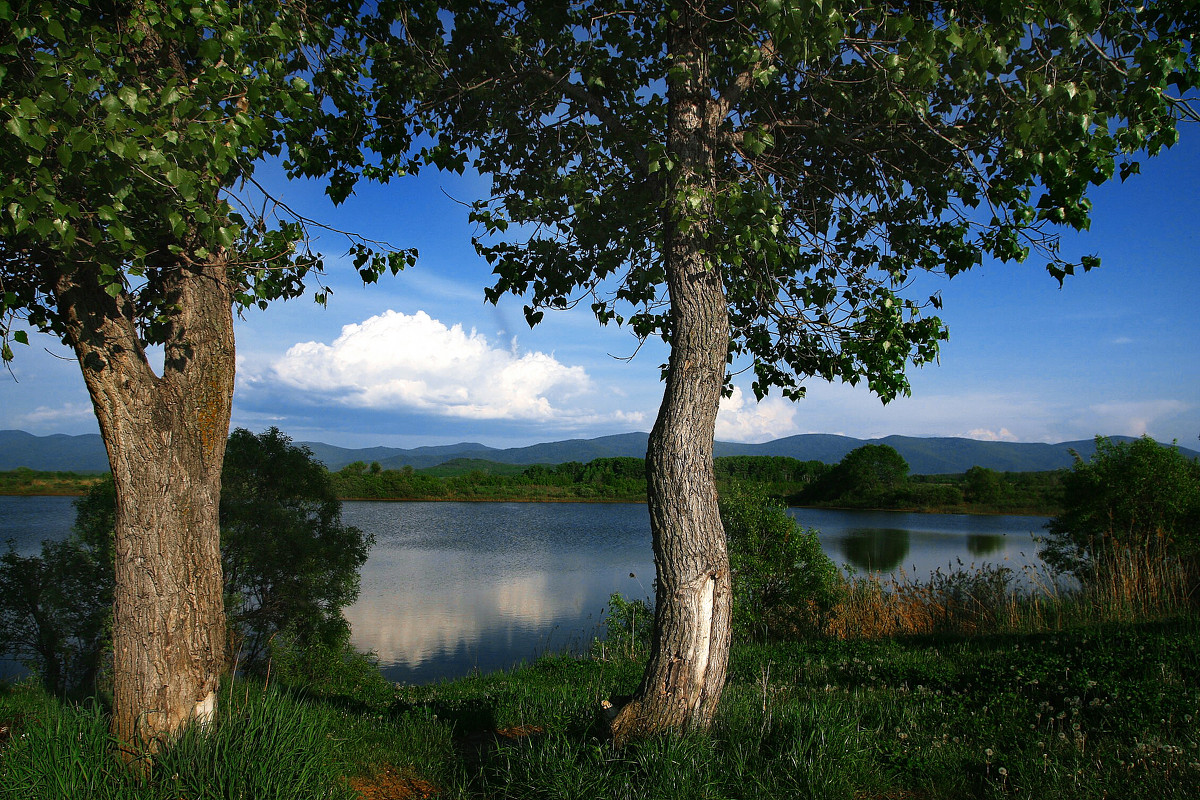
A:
{"x": 875, "y": 549}
{"x": 453, "y": 587}
{"x": 982, "y": 544}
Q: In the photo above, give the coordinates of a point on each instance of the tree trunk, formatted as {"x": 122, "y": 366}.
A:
{"x": 165, "y": 438}
{"x": 685, "y": 676}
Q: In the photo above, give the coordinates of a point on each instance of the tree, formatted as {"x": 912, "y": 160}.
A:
{"x": 984, "y": 486}
{"x": 1131, "y": 497}
{"x": 54, "y": 612}
{"x": 867, "y": 472}
{"x": 56, "y": 607}
{"x": 289, "y": 565}
{"x": 126, "y": 132}
{"x": 761, "y": 180}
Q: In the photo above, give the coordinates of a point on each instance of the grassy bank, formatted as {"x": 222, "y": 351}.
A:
{"x": 28, "y": 482}
{"x": 1095, "y": 709}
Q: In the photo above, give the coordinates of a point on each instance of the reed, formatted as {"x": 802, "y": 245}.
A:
{"x": 1135, "y": 585}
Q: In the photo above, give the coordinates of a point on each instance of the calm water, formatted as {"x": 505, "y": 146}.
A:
{"x": 454, "y": 587}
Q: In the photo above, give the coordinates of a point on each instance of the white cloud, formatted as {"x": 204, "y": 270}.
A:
{"x": 1132, "y": 418}
{"x": 55, "y": 419}
{"x": 985, "y": 435}
{"x": 396, "y": 361}
{"x": 739, "y": 421}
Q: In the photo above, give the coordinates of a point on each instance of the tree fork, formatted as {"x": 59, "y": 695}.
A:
{"x": 165, "y": 438}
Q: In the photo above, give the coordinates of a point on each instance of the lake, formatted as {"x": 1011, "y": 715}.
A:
{"x": 450, "y": 588}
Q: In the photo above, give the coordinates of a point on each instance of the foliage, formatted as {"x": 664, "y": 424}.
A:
{"x": 853, "y": 143}
{"x": 627, "y": 628}
{"x": 289, "y": 561}
{"x": 780, "y": 573}
{"x": 127, "y": 131}
{"x": 1131, "y": 497}
{"x": 290, "y": 566}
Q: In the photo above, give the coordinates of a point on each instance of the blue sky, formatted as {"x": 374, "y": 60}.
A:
{"x": 422, "y": 359}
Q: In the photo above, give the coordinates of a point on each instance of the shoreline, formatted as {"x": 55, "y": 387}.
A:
{"x": 626, "y": 501}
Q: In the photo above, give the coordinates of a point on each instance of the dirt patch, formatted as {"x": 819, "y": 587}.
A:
{"x": 520, "y": 731}
{"x": 389, "y": 783}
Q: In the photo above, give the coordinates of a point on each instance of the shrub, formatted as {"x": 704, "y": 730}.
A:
{"x": 1135, "y": 497}
{"x": 627, "y": 628}
{"x": 328, "y": 668}
{"x": 781, "y": 577}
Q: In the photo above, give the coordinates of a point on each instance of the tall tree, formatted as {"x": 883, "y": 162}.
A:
{"x": 129, "y": 132}
{"x": 762, "y": 180}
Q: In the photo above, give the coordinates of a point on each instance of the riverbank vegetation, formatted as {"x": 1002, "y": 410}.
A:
{"x": 29, "y": 482}
{"x": 1103, "y": 711}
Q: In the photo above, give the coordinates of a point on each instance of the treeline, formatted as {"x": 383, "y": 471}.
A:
{"x": 873, "y": 476}
{"x": 613, "y": 479}
{"x": 617, "y": 479}
{"x": 876, "y": 476}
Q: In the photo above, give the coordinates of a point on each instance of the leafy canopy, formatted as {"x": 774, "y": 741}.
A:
{"x": 858, "y": 144}
{"x": 129, "y": 135}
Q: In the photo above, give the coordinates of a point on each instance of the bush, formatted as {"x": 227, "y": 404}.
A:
{"x": 327, "y": 668}
{"x": 781, "y": 578}
{"x": 628, "y": 625}
{"x": 289, "y": 565}
{"x": 1133, "y": 498}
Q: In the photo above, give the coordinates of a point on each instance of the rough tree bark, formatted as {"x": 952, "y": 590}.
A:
{"x": 685, "y": 676}
{"x": 165, "y": 437}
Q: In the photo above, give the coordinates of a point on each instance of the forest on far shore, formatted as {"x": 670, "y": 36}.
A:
{"x": 873, "y": 476}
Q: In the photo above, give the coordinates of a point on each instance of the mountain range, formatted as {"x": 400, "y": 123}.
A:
{"x": 925, "y": 456}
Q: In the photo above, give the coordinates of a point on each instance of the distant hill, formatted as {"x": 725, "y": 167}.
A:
{"x": 57, "y": 453}
{"x": 925, "y": 456}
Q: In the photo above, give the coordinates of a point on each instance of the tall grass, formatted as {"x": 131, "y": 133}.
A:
{"x": 263, "y": 744}
{"x": 1137, "y": 585}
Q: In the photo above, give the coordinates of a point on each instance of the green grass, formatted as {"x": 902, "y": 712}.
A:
{"x": 263, "y": 745}
{"x": 1099, "y": 711}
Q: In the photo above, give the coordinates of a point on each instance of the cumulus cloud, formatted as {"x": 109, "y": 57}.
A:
{"x": 396, "y": 361}
{"x": 55, "y": 419}
{"x": 985, "y": 435}
{"x": 742, "y": 421}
